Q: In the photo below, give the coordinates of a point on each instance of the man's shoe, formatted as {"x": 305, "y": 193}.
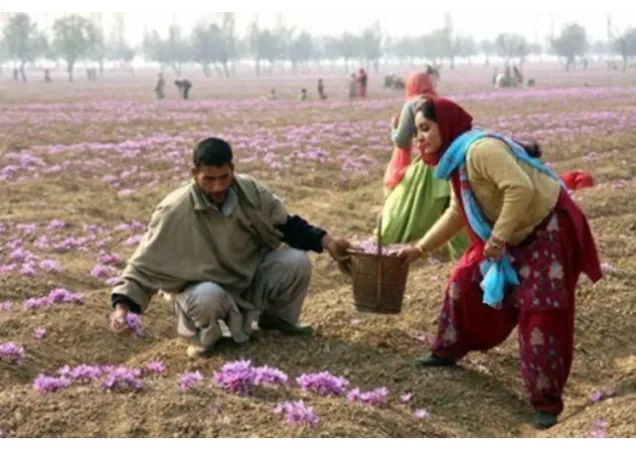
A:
{"x": 267, "y": 323}
{"x": 543, "y": 420}
{"x": 198, "y": 351}
{"x": 434, "y": 361}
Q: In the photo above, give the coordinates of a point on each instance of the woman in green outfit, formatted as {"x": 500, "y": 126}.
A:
{"x": 415, "y": 199}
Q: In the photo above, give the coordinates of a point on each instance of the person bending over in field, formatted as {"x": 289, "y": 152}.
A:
{"x": 530, "y": 243}
{"x": 184, "y": 87}
{"x": 214, "y": 246}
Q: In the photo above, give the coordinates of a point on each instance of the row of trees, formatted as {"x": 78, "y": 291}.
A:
{"x": 216, "y": 46}
{"x": 74, "y": 38}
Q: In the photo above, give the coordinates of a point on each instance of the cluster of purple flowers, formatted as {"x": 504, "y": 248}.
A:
{"x": 107, "y": 258}
{"x": 190, "y": 379}
{"x": 113, "y": 378}
{"x": 370, "y": 246}
{"x": 27, "y": 261}
{"x": 39, "y": 333}
{"x": 376, "y": 397}
{"x": 240, "y": 376}
{"x": 154, "y": 367}
{"x": 297, "y": 413}
{"x": 123, "y": 380}
{"x": 12, "y": 353}
{"x": 101, "y": 271}
{"x": 56, "y": 296}
{"x": 49, "y": 385}
{"x": 323, "y": 383}
{"x": 599, "y": 396}
{"x": 599, "y": 431}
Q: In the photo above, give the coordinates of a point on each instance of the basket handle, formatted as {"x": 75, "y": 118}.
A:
{"x": 378, "y": 264}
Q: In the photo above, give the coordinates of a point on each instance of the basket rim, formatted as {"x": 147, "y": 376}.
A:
{"x": 374, "y": 255}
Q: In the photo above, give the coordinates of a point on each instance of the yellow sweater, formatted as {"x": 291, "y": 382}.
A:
{"x": 512, "y": 195}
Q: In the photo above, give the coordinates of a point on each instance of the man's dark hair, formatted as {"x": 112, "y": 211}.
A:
{"x": 212, "y": 152}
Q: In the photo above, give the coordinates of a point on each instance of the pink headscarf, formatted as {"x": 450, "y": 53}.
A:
{"x": 420, "y": 83}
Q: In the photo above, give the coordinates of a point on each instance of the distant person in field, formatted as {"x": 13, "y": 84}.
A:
{"x": 415, "y": 199}
{"x": 214, "y": 245}
{"x": 184, "y": 87}
{"x": 160, "y": 87}
{"x": 530, "y": 243}
{"x": 433, "y": 72}
{"x": 398, "y": 83}
{"x": 321, "y": 90}
{"x": 47, "y": 76}
{"x": 388, "y": 81}
{"x": 511, "y": 78}
{"x": 504, "y": 79}
{"x": 272, "y": 95}
{"x": 353, "y": 87}
{"x": 518, "y": 77}
{"x": 303, "y": 94}
{"x": 363, "y": 81}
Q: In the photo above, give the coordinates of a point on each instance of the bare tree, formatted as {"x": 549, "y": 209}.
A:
{"x": 625, "y": 45}
{"x": 72, "y": 39}
{"x": 23, "y": 41}
{"x": 571, "y": 43}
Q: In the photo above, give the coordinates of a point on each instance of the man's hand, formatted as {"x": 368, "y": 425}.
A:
{"x": 337, "y": 248}
{"x": 118, "y": 323}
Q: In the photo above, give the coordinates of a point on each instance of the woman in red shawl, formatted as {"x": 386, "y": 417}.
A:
{"x": 363, "y": 80}
{"x": 415, "y": 199}
{"x": 532, "y": 224}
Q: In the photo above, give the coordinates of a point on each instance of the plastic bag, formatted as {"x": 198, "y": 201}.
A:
{"x": 498, "y": 275}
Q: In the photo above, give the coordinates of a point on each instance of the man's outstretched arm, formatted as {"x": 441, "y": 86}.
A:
{"x": 301, "y": 235}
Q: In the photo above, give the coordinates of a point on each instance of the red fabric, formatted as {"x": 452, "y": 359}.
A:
{"x": 362, "y": 87}
{"x": 418, "y": 83}
{"x": 456, "y": 186}
{"x": 542, "y": 306}
{"x": 397, "y": 167}
{"x": 453, "y": 121}
{"x": 577, "y": 179}
{"x": 586, "y": 252}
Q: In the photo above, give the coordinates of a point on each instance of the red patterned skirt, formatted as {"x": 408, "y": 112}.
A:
{"x": 549, "y": 263}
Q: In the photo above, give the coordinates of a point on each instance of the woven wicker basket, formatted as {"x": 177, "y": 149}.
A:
{"x": 379, "y": 281}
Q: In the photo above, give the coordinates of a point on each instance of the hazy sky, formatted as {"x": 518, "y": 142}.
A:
{"x": 481, "y": 25}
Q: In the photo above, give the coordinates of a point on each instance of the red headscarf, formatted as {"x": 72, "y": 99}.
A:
{"x": 419, "y": 83}
{"x": 453, "y": 121}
